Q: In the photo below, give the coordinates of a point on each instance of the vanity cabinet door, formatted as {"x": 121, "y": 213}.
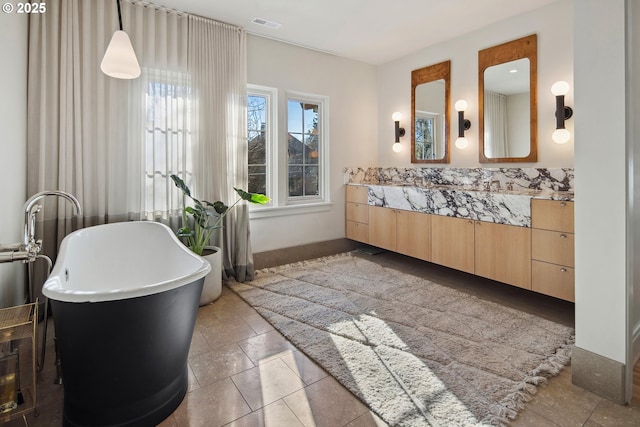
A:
{"x": 382, "y": 227}
{"x": 503, "y": 253}
{"x": 452, "y": 242}
{"x": 413, "y": 234}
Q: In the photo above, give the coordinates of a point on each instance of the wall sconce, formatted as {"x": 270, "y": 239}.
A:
{"x": 120, "y": 59}
{"x": 561, "y": 135}
{"x": 397, "y": 147}
{"x": 463, "y": 124}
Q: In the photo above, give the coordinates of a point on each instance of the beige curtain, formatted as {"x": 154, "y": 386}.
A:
{"x": 94, "y": 136}
{"x": 495, "y": 124}
{"x": 217, "y": 63}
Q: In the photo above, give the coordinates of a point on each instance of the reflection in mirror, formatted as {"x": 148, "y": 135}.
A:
{"x": 430, "y": 113}
{"x": 506, "y": 109}
{"x": 507, "y": 102}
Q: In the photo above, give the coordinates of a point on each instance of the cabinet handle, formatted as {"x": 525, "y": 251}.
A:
{"x": 563, "y": 236}
{"x": 564, "y": 270}
{"x": 563, "y": 204}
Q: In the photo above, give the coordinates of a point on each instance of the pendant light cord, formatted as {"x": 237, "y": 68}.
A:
{"x": 119, "y": 14}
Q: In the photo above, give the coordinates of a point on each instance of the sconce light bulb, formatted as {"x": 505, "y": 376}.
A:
{"x": 461, "y": 143}
{"x": 560, "y": 88}
{"x": 397, "y": 147}
{"x": 461, "y": 105}
{"x": 396, "y": 116}
{"x": 561, "y": 136}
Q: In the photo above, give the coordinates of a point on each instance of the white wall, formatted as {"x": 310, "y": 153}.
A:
{"x": 13, "y": 147}
{"x": 553, "y": 24}
{"x": 351, "y": 89}
{"x": 633, "y": 158}
{"x": 600, "y": 178}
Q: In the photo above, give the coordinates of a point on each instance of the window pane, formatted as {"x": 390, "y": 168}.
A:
{"x": 295, "y": 149}
{"x": 311, "y": 181}
{"x": 257, "y": 179}
{"x": 257, "y": 143}
{"x": 294, "y": 116}
{"x": 295, "y": 181}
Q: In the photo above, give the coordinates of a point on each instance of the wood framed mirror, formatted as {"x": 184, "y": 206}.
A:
{"x": 430, "y": 88}
{"x": 507, "y": 102}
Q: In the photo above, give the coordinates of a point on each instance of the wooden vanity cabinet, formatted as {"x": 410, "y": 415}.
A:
{"x": 503, "y": 253}
{"x": 453, "y": 242}
{"x": 357, "y": 213}
{"x": 401, "y": 231}
{"x": 552, "y": 248}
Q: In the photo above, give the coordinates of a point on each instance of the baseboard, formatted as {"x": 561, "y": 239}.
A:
{"x": 598, "y": 374}
{"x": 300, "y": 253}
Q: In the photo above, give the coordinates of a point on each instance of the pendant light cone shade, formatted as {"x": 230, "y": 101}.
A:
{"x": 120, "y": 60}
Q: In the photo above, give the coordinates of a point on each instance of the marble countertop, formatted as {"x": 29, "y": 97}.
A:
{"x": 503, "y": 206}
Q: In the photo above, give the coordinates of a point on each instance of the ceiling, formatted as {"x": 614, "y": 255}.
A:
{"x": 371, "y": 31}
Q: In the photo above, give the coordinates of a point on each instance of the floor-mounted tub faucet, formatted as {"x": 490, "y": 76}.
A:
{"x": 31, "y": 208}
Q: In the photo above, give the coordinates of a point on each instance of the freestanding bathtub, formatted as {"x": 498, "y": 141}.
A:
{"x": 124, "y": 298}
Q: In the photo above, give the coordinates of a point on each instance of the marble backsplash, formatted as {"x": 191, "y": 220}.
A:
{"x": 555, "y": 179}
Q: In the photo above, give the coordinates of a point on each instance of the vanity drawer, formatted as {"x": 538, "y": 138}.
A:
{"x": 357, "y": 212}
{"x": 357, "y": 194}
{"x": 554, "y": 280}
{"x": 552, "y": 215}
{"x": 358, "y": 231}
{"x": 553, "y": 246}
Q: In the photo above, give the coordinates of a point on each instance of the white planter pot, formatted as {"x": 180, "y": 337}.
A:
{"x": 212, "y": 288}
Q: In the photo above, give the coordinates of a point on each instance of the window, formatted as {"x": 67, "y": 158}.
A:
{"x": 303, "y": 138}
{"x": 167, "y": 139}
{"x": 261, "y": 125}
{"x": 301, "y": 178}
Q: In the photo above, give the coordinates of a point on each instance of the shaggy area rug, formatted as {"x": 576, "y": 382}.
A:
{"x": 417, "y": 353}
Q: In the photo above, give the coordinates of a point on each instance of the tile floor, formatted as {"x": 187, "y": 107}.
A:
{"x": 244, "y": 373}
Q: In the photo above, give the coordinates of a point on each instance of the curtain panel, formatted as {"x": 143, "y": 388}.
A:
{"x": 113, "y": 143}
{"x": 495, "y": 124}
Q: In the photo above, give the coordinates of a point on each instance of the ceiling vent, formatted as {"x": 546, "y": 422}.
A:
{"x": 266, "y": 23}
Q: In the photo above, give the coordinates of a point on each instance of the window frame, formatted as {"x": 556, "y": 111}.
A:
{"x": 323, "y": 148}
{"x": 271, "y": 115}
{"x": 277, "y": 165}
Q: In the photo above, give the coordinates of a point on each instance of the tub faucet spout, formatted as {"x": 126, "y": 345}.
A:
{"x": 31, "y": 208}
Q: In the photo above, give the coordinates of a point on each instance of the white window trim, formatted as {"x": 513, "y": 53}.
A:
{"x": 271, "y": 116}
{"x": 323, "y": 166}
{"x": 281, "y": 204}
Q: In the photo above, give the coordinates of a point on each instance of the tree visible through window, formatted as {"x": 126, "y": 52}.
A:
{"x": 257, "y": 133}
{"x": 303, "y": 148}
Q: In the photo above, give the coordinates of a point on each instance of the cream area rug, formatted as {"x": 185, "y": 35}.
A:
{"x": 417, "y": 353}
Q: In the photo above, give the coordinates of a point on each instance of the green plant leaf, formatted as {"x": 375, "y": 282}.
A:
{"x": 257, "y": 198}
{"x": 220, "y": 207}
{"x": 181, "y": 185}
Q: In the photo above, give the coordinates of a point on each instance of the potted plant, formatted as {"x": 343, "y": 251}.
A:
{"x": 199, "y": 222}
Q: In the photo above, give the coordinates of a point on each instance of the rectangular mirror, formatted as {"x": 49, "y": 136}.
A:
{"x": 430, "y": 113}
{"x": 507, "y": 101}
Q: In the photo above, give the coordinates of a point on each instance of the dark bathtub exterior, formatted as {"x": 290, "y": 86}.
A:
{"x": 124, "y": 362}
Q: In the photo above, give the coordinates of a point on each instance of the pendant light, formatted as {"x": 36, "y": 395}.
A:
{"x": 120, "y": 59}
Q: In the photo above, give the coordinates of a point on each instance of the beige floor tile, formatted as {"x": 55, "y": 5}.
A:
{"x": 267, "y": 383}
{"x": 258, "y": 324}
{"x": 608, "y": 414}
{"x": 529, "y": 418}
{"x": 224, "y": 334}
{"x": 213, "y": 405}
{"x": 325, "y": 403}
{"x": 199, "y": 343}
{"x": 564, "y": 404}
{"x": 304, "y": 367}
{"x": 218, "y": 364}
{"x": 367, "y": 420}
{"x": 276, "y": 414}
{"x": 265, "y": 347}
